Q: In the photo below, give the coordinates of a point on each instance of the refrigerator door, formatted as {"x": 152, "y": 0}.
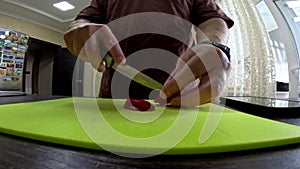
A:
{"x": 13, "y": 46}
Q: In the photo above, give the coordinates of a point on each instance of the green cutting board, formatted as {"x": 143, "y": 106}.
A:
{"x": 103, "y": 124}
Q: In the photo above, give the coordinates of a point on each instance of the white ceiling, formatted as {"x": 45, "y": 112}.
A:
{"x": 42, "y": 12}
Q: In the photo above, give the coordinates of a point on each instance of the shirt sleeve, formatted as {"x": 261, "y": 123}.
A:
{"x": 95, "y": 12}
{"x": 204, "y": 10}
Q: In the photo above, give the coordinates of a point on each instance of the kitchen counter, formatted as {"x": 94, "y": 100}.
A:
{"x": 273, "y": 108}
{"x": 23, "y": 153}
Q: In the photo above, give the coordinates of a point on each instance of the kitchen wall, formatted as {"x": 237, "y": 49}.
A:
{"x": 46, "y": 65}
{"x": 31, "y": 29}
{"x": 43, "y": 52}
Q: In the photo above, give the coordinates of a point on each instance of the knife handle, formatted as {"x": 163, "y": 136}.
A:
{"x": 108, "y": 60}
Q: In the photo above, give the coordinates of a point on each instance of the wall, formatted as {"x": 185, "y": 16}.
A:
{"x": 45, "y": 54}
{"x": 32, "y": 30}
{"x": 45, "y": 34}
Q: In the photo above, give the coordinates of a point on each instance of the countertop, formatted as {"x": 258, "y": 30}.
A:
{"x": 23, "y": 153}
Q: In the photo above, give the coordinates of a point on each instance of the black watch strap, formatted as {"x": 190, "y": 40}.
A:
{"x": 224, "y": 48}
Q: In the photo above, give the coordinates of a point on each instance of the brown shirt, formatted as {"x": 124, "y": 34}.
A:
{"x": 111, "y": 12}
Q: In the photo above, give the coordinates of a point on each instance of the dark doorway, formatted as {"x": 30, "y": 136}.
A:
{"x": 39, "y": 66}
{"x": 49, "y": 69}
{"x": 63, "y": 73}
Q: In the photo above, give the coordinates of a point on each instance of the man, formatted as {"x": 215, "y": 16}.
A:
{"x": 205, "y": 14}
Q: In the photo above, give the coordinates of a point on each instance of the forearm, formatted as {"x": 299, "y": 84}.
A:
{"x": 215, "y": 32}
{"x": 214, "y": 29}
{"x": 219, "y": 68}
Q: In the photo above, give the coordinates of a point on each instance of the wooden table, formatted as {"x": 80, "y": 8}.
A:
{"x": 20, "y": 153}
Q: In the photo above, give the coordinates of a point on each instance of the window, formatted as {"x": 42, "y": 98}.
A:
{"x": 285, "y": 39}
{"x": 278, "y": 48}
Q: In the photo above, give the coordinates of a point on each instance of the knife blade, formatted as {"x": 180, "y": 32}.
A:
{"x": 132, "y": 73}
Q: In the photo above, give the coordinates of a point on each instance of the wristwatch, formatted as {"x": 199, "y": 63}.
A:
{"x": 224, "y": 48}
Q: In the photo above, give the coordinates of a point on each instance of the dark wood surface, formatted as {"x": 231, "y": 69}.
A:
{"x": 21, "y": 153}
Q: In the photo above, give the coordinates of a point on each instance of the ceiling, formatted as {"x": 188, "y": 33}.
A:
{"x": 42, "y": 12}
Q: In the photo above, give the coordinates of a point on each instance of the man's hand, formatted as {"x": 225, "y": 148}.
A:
{"x": 91, "y": 41}
{"x": 202, "y": 72}
{"x": 199, "y": 77}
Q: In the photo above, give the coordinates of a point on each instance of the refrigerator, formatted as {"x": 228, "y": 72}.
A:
{"x": 13, "y": 46}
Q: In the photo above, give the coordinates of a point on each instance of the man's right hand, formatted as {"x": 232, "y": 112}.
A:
{"x": 88, "y": 40}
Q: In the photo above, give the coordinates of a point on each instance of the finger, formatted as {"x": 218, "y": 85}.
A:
{"x": 211, "y": 86}
{"x": 194, "y": 59}
{"x": 83, "y": 46}
{"x": 73, "y": 43}
{"x": 192, "y": 70}
{"x": 171, "y": 82}
{"x": 160, "y": 101}
{"x": 183, "y": 59}
{"x": 91, "y": 52}
{"x": 112, "y": 44}
{"x": 101, "y": 67}
{"x": 86, "y": 39}
{"x": 196, "y": 96}
{"x": 192, "y": 52}
{"x": 173, "y": 85}
{"x": 117, "y": 54}
{"x": 68, "y": 41}
{"x": 189, "y": 54}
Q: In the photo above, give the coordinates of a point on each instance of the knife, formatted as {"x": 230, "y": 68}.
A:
{"x": 132, "y": 73}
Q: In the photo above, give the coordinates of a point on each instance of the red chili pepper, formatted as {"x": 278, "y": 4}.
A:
{"x": 138, "y": 104}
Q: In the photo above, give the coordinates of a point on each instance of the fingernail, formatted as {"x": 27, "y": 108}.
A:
{"x": 162, "y": 95}
{"x": 160, "y": 101}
